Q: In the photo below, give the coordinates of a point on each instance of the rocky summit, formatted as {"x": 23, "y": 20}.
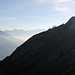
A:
{"x": 51, "y": 52}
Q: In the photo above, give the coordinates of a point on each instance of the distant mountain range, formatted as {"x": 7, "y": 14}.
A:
{"x": 51, "y": 52}
{"x": 24, "y": 34}
{"x": 7, "y": 44}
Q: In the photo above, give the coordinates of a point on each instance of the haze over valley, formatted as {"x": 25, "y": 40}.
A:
{"x": 10, "y": 40}
{"x": 8, "y": 44}
{"x": 24, "y": 34}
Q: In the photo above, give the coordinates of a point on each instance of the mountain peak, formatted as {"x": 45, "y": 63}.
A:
{"x": 71, "y": 23}
{"x": 73, "y": 17}
{"x": 71, "y": 20}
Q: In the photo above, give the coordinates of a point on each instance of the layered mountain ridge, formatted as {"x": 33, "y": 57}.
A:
{"x": 23, "y": 34}
{"x": 7, "y": 44}
{"x": 50, "y": 52}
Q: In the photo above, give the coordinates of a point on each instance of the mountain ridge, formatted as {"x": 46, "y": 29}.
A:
{"x": 50, "y": 52}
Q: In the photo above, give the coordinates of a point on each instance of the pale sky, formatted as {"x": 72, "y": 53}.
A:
{"x": 34, "y": 14}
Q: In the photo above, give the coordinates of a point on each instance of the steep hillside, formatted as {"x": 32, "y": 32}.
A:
{"x": 50, "y": 53}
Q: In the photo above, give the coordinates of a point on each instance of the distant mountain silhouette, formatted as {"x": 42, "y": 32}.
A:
{"x": 24, "y": 34}
{"x": 7, "y": 44}
{"x": 48, "y": 53}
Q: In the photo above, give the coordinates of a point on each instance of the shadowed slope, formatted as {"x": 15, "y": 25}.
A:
{"x": 50, "y": 52}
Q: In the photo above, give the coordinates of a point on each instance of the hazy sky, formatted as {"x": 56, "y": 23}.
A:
{"x": 34, "y": 14}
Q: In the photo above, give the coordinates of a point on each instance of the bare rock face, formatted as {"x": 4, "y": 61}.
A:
{"x": 50, "y": 52}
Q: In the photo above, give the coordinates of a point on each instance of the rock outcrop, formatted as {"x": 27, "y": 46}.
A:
{"x": 50, "y": 52}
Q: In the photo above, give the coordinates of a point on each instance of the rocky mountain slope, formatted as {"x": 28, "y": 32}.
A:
{"x": 50, "y": 53}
